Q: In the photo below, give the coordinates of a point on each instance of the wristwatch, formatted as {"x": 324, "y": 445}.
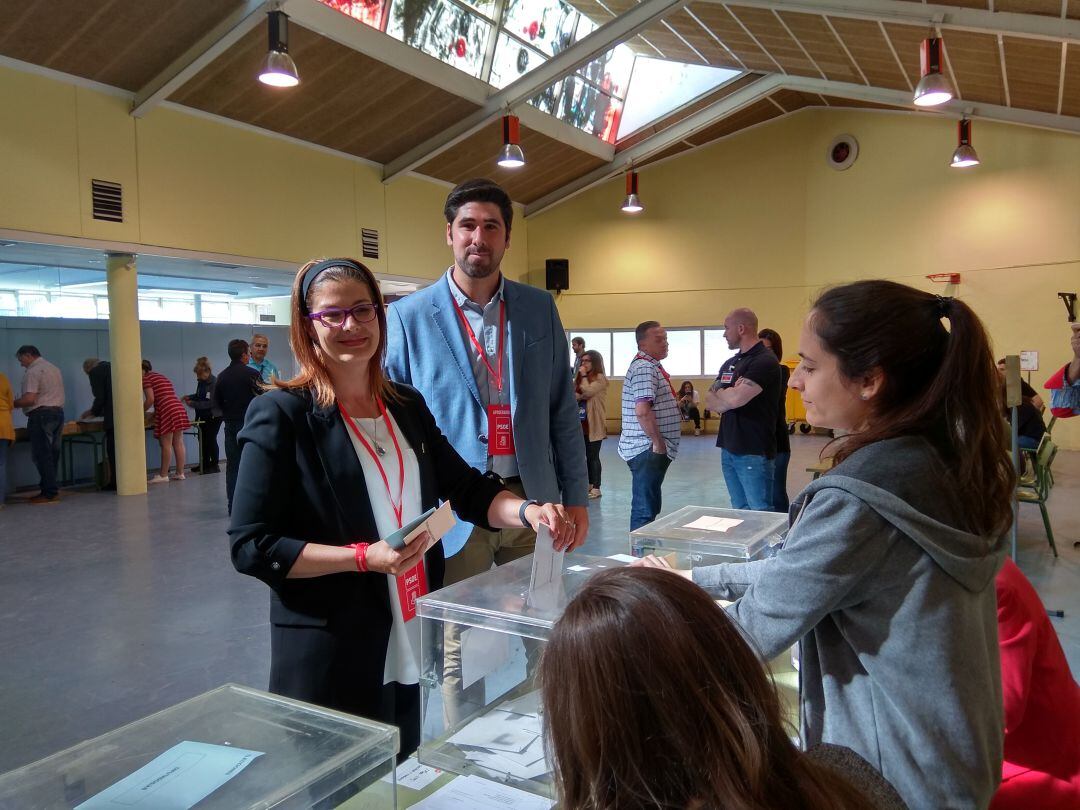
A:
{"x": 521, "y": 512}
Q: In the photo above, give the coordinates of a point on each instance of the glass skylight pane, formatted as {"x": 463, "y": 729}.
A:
{"x": 584, "y": 106}
{"x": 512, "y": 61}
{"x": 369, "y": 12}
{"x": 658, "y": 86}
{"x": 441, "y": 29}
{"x": 547, "y": 25}
{"x": 611, "y": 72}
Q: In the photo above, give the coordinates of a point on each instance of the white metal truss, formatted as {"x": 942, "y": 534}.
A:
{"x": 803, "y": 84}
{"x": 214, "y": 43}
{"x": 957, "y": 18}
{"x": 581, "y": 52}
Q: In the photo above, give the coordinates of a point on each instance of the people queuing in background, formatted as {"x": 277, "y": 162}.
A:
{"x": 1042, "y": 704}
{"x": 1064, "y": 385}
{"x": 100, "y": 374}
{"x": 234, "y": 389}
{"x": 208, "y": 417}
{"x": 42, "y": 400}
{"x": 650, "y": 435}
{"x": 577, "y": 345}
{"x": 745, "y": 393}
{"x": 652, "y": 699}
{"x": 260, "y": 345}
{"x": 772, "y": 340}
{"x": 170, "y": 422}
{"x": 7, "y": 431}
{"x": 690, "y": 405}
{"x": 590, "y": 386}
{"x": 886, "y": 574}
{"x": 334, "y": 461}
{"x": 490, "y": 356}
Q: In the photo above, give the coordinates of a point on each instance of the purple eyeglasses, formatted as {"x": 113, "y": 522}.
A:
{"x": 335, "y": 317}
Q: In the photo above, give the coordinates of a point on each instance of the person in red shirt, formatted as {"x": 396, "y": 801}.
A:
{"x": 1042, "y": 704}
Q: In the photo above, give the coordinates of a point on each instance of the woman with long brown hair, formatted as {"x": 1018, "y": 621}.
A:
{"x": 590, "y": 387}
{"x": 652, "y": 699}
{"x": 887, "y": 572}
{"x": 332, "y": 462}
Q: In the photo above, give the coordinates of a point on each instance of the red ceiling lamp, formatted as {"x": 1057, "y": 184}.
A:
{"x": 965, "y": 154}
{"x": 632, "y": 202}
{"x": 511, "y": 156}
{"x": 933, "y": 88}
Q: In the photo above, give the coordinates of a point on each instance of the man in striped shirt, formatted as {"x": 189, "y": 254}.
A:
{"x": 650, "y": 434}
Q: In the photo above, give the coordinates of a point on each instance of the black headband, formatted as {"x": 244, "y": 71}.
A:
{"x": 317, "y": 270}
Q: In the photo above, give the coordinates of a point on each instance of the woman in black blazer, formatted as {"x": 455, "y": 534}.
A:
{"x": 326, "y": 458}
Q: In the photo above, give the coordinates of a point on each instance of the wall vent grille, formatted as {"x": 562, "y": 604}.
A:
{"x": 369, "y": 239}
{"x": 108, "y": 200}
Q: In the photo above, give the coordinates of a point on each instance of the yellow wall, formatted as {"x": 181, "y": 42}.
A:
{"x": 198, "y": 184}
{"x": 760, "y": 220}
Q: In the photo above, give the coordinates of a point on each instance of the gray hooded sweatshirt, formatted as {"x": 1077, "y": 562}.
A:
{"x": 896, "y": 611}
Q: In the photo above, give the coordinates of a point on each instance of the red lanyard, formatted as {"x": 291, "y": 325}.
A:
{"x": 375, "y": 457}
{"x": 497, "y": 377}
{"x": 663, "y": 371}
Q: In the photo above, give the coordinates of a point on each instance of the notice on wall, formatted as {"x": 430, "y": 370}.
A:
{"x": 1029, "y": 360}
{"x": 178, "y": 779}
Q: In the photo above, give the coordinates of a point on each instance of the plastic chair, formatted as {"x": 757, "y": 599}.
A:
{"x": 1027, "y": 467}
{"x": 1041, "y": 490}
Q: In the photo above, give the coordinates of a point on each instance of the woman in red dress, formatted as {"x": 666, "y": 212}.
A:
{"x": 170, "y": 421}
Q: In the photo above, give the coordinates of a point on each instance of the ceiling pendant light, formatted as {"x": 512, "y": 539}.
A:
{"x": 632, "y": 203}
{"x": 965, "y": 154}
{"x": 511, "y": 156}
{"x": 933, "y": 88}
{"x": 278, "y": 69}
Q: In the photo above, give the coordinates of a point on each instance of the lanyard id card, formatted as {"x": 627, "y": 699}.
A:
{"x": 411, "y": 586}
{"x": 500, "y": 430}
{"x": 727, "y": 377}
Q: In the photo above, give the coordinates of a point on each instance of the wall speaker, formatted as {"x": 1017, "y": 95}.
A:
{"x": 558, "y": 274}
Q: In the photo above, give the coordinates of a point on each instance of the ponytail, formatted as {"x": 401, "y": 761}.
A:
{"x": 938, "y": 383}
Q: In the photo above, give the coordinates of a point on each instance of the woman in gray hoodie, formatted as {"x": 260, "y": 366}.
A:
{"x": 887, "y": 572}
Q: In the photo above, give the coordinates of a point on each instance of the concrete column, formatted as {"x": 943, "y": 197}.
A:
{"x": 125, "y": 354}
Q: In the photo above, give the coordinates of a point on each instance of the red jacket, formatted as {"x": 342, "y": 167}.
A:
{"x": 1042, "y": 704}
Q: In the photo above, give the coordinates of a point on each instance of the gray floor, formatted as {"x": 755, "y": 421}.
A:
{"x": 112, "y": 608}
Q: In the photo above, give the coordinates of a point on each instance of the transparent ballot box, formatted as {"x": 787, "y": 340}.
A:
{"x": 707, "y": 535}
{"x": 481, "y": 640}
{"x": 229, "y": 749}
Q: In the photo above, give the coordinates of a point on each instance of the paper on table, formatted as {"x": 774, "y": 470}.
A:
{"x": 713, "y": 524}
{"x": 475, "y": 793}
{"x": 178, "y": 779}
{"x": 577, "y": 569}
{"x": 624, "y": 558}
{"x": 482, "y": 652}
{"x": 411, "y": 774}
{"x": 496, "y": 731}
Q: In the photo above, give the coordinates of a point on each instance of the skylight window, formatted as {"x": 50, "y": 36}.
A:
{"x": 611, "y": 97}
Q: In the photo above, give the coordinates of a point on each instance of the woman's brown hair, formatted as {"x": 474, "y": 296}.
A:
{"x": 939, "y": 383}
{"x": 313, "y": 374}
{"x": 652, "y": 699}
{"x": 202, "y": 364}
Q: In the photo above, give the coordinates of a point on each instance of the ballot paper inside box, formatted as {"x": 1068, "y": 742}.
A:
{"x": 707, "y": 535}
{"x": 481, "y": 640}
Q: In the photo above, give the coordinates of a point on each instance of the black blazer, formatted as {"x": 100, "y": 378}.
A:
{"x": 300, "y": 481}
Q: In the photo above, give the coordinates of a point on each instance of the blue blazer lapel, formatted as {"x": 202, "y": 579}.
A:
{"x": 517, "y": 322}
{"x": 447, "y": 324}
{"x": 343, "y": 472}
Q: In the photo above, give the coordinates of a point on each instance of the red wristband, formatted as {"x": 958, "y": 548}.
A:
{"x": 360, "y": 552}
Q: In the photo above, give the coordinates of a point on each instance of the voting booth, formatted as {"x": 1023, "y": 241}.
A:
{"x": 231, "y": 748}
{"x": 708, "y": 535}
{"x": 481, "y": 641}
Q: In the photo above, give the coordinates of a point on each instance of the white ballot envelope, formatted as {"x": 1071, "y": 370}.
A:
{"x": 436, "y": 522}
{"x": 545, "y": 583}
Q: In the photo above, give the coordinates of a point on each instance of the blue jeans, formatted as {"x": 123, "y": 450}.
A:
{"x": 749, "y": 481}
{"x": 779, "y": 485}
{"x": 45, "y": 426}
{"x": 1027, "y": 443}
{"x": 4, "y": 443}
{"x": 647, "y": 472}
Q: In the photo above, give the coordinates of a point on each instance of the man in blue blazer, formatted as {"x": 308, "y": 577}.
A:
{"x": 490, "y": 357}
